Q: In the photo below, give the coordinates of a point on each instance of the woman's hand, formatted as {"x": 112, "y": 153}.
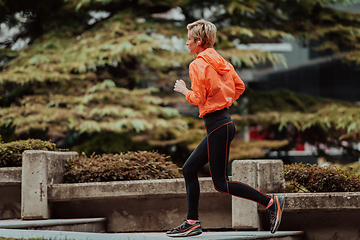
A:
{"x": 180, "y": 87}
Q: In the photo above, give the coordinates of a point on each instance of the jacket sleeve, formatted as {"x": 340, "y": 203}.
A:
{"x": 239, "y": 84}
{"x": 197, "y": 94}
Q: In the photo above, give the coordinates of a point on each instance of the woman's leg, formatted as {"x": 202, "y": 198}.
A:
{"x": 193, "y": 164}
{"x": 218, "y": 151}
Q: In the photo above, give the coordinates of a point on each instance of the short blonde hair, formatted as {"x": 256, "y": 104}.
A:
{"x": 204, "y": 30}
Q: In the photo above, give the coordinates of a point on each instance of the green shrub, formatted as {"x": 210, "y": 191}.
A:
{"x": 120, "y": 167}
{"x": 310, "y": 178}
{"x": 11, "y": 153}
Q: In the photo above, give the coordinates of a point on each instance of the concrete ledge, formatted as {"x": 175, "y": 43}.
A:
{"x": 18, "y": 224}
{"x": 124, "y": 189}
{"x": 10, "y": 176}
{"x": 325, "y": 201}
{"x": 322, "y": 201}
{"x": 79, "y": 225}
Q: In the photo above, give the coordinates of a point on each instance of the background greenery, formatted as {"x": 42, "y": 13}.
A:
{"x": 105, "y": 85}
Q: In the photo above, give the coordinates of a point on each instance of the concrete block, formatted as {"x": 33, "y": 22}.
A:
{"x": 269, "y": 176}
{"x": 263, "y": 175}
{"x": 40, "y": 169}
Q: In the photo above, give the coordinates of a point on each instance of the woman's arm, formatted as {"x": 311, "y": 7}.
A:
{"x": 239, "y": 84}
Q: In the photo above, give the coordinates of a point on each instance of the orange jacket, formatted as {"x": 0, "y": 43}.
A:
{"x": 214, "y": 82}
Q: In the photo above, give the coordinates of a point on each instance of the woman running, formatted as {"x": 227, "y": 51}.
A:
{"x": 214, "y": 87}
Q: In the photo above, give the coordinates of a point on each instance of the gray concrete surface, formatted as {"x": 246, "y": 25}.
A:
{"x": 62, "y": 235}
{"x": 16, "y": 228}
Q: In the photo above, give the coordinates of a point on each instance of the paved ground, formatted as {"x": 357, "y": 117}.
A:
{"x": 16, "y": 228}
{"x": 62, "y": 235}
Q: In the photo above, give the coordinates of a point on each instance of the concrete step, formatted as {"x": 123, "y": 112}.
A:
{"x": 93, "y": 225}
{"x": 251, "y": 235}
{"x": 221, "y": 235}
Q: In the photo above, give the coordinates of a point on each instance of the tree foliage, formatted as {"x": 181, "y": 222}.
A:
{"x": 100, "y": 109}
{"x": 320, "y": 122}
{"x": 82, "y": 76}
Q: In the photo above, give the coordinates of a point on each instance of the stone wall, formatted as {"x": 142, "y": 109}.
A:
{"x": 159, "y": 205}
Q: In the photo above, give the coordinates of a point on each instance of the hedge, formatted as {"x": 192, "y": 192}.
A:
{"x": 140, "y": 165}
{"x": 11, "y": 153}
{"x": 301, "y": 177}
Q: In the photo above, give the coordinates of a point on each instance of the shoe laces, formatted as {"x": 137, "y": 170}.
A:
{"x": 272, "y": 216}
{"x": 181, "y": 226}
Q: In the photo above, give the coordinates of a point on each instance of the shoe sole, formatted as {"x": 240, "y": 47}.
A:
{"x": 184, "y": 234}
{"x": 280, "y": 201}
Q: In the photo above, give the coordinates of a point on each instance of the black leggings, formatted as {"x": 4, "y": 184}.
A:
{"x": 214, "y": 149}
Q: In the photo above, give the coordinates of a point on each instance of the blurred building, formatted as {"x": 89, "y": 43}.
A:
{"x": 320, "y": 74}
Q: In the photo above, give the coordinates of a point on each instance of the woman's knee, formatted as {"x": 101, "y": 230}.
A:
{"x": 188, "y": 172}
{"x": 221, "y": 186}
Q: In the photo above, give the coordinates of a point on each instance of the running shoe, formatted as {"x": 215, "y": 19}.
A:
{"x": 275, "y": 213}
{"x": 185, "y": 230}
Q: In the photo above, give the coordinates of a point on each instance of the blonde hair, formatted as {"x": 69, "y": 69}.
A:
{"x": 204, "y": 30}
